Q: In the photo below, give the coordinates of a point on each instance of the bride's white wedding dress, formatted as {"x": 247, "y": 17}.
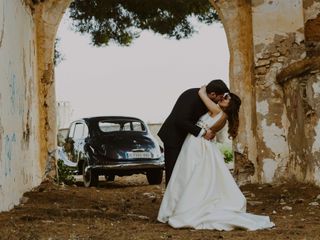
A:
{"x": 202, "y": 193}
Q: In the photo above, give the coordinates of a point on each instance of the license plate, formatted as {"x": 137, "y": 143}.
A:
{"x": 138, "y": 155}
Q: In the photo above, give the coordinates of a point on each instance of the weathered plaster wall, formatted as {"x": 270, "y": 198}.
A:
{"x": 278, "y": 41}
{"x": 287, "y": 76}
{"x": 307, "y": 98}
{"x": 274, "y": 68}
{"x": 19, "y": 132}
{"x": 312, "y": 26}
{"x": 301, "y": 96}
{"x": 27, "y": 94}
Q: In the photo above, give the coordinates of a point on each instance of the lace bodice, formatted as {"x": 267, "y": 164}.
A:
{"x": 206, "y": 121}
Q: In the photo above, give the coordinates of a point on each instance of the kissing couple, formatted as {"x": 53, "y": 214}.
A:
{"x": 200, "y": 191}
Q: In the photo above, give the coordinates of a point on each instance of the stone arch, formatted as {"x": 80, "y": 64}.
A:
{"x": 48, "y": 15}
{"x": 262, "y": 41}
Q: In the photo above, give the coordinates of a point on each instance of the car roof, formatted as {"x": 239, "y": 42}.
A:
{"x": 112, "y": 118}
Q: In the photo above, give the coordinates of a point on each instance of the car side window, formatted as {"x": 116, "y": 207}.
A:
{"x": 78, "y": 131}
{"x": 126, "y": 127}
{"x": 71, "y": 131}
{"x": 138, "y": 126}
{"x": 85, "y": 131}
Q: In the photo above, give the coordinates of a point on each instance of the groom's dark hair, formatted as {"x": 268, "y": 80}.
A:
{"x": 218, "y": 86}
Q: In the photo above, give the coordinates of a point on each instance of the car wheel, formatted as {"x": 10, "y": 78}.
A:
{"x": 154, "y": 176}
{"x": 109, "y": 178}
{"x": 90, "y": 177}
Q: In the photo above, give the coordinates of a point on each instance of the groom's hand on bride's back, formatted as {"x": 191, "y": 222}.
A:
{"x": 209, "y": 135}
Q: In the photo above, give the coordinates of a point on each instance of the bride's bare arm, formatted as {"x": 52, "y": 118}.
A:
{"x": 219, "y": 124}
{"x": 212, "y": 107}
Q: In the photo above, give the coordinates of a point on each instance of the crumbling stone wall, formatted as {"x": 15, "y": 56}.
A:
{"x": 19, "y": 107}
{"x": 279, "y": 85}
{"x": 276, "y": 45}
{"x": 311, "y": 89}
{"x": 300, "y": 81}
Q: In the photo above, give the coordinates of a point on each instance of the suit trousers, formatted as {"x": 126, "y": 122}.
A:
{"x": 170, "y": 157}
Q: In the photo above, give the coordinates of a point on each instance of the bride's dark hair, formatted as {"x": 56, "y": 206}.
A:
{"x": 233, "y": 115}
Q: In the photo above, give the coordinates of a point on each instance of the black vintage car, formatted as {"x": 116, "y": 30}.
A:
{"x": 112, "y": 146}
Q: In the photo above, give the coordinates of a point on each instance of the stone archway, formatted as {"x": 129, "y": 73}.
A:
{"x": 262, "y": 42}
{"x": 48, "y": 15}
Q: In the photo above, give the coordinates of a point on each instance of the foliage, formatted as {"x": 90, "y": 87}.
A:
{"x": 227, "y": 152}
{"x": 228, "y": 155}
{"x": 121, "y": 21}
{"x": 65, "y": 174}
{"x": 58, "y": 57}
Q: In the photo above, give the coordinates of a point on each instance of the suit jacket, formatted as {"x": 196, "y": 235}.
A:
{"x": 182, "y": 119}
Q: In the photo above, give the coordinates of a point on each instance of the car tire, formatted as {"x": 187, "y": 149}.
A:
{"x": 109, "y": 178}
{"x": 90, "y": 178}
{"x": 154, "y": 176}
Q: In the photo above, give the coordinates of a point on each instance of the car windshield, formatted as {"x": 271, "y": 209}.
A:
{"x": 121, "y": 126}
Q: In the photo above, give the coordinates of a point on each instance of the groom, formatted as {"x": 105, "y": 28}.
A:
{"x": 182, "y": 120}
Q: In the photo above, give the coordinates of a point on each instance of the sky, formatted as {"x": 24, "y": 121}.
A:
{"x": 142, "y": 80}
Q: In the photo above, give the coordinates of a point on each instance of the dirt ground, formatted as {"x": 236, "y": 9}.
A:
{"x": 127, "y": 209}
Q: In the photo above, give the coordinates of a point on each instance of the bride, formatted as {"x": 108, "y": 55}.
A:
{"x": 202, "y": 193}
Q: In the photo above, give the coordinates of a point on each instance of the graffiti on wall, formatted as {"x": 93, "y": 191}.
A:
{"x": 13, "y": 92}
{"x": 9, "y": 142}
{"x": 16, "y": 98}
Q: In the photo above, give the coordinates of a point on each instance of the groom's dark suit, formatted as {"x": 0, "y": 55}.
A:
{"x": 181, "y": 121}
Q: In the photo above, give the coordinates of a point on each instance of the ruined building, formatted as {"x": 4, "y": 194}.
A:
{"x": 274, "y": 67}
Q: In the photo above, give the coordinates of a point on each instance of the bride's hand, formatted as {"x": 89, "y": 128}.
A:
{"x": 202, "y": 90}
